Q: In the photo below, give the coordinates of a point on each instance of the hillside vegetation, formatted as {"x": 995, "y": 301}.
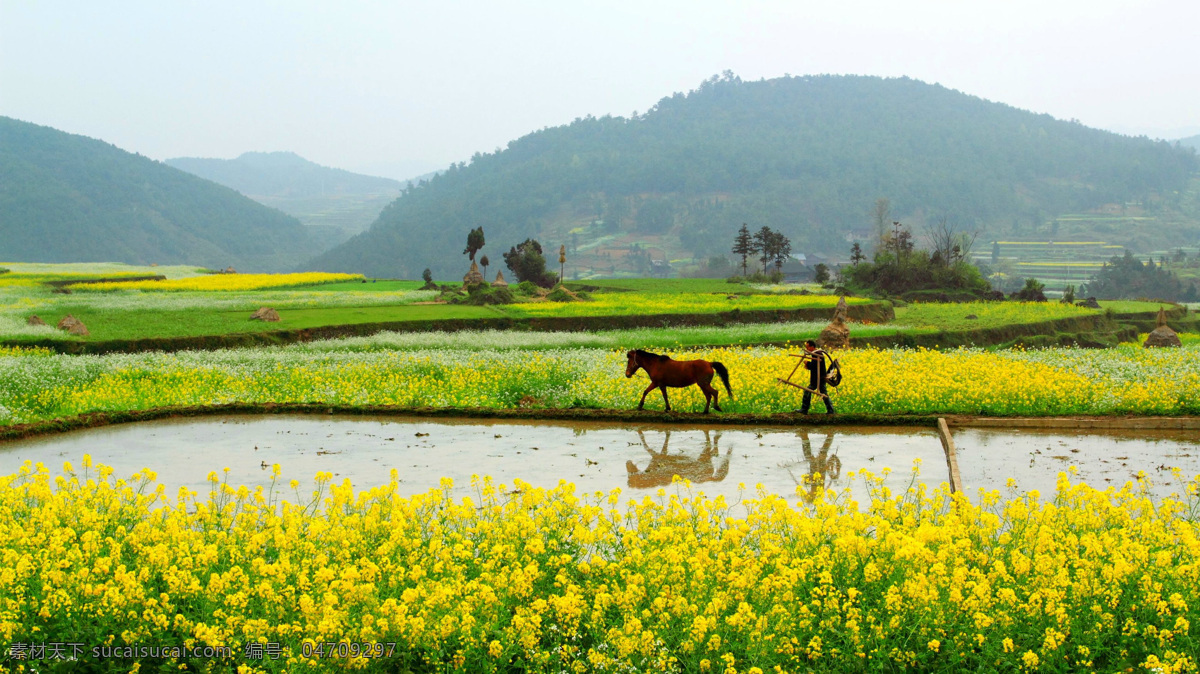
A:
{"x": 808, "y": 156}
{"x": 68, "y": 198}
{"x": 335, "y": 202}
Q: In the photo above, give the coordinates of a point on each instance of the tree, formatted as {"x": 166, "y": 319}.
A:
{"x": 821, "y": 274}
{"x": 781, "y": 248}
{"x": 1127, "y": 278}
{"x": 764, "y": 243}
{"x": 1068, "y": 295}
{"x": 950, "y": 246}
{"x": 743, "y": 245}
{"x": 483, "y": 262}
{"x": 856, "y": 254}
{"x": 427, "y": 275}
{"x": 474, "y": 243}
{"x": 528, "y": 264}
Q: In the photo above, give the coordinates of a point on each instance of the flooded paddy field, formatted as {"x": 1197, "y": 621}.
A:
{"x": 596, "y": 456}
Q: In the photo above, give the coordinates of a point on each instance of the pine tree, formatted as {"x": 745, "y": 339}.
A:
{"x": 764, "y": 243}
{"x": 856, "y": 254}
{"x": 781, "y": 249}
{"x": 743, "y": 245}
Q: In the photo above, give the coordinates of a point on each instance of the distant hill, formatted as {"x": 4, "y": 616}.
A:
{"x": 327, "y": 198}
{"x": 68, "y": 198}
{"x": 1192, "y": 142}
{"x": 808, "y": 156}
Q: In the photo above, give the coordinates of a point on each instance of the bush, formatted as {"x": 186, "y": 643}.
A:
{"x": 1032, "y": 292}
{"x": 528, "y": 288}
{"x": 484, "y": 294}
{"x": 4, "y": 270}
{"x": 561, "y": 294}
{"x": 915, "y": 271}
{"x": 772, "y": 277}
{"x": 528, "y": 264}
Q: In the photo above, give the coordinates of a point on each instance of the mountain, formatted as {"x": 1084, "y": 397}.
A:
{"x": 337, "y": 203}
{"x": 808, "y": 156}
{"x": 68, "y": 198}
{"x": 1191, "y": 141}
{"x": 282, "y": 174}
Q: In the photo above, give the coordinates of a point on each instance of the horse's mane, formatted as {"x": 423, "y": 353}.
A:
{"x": 647, "y": 354}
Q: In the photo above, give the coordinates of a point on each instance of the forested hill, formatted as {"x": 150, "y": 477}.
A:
{"x": 283, "y": 174}
{"x": 805, "y": 155}
{"x": 1191, "y": 141}
{"x": 68, "y": 198}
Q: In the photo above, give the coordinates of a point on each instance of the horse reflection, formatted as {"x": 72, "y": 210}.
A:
{"x": 822, "y": 468}
{"x": 664, "y": 467}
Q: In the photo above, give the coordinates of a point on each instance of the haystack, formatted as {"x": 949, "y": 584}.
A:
{"x": 1163, "y": 336}
{"x": 73, "y": 326}
{"x": 473, "y": 277}
{"x": 836, "y": 335}
{"x": 265, "y": 314}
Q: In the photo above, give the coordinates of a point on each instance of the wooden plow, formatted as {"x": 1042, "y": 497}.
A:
{"x": 789, "y": 382}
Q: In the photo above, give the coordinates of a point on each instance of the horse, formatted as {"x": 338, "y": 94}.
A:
{"x": 664, "y": 372}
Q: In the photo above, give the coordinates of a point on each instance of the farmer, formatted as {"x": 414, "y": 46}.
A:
{"x": 816, "y": 377}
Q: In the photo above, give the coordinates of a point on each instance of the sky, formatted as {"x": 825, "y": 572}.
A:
{"x": 403, "y": 88}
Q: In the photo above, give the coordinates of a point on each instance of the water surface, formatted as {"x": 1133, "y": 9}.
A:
{"x": 597, "y": 456}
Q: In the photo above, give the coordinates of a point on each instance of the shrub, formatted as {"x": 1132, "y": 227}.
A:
{"x": 561, "y": 294}
{"x": 528, "y": 264}
{"x": 1032, "y": 292}
{"x": 483, "y": 294}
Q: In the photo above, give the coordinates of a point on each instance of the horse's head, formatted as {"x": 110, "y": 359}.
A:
{"x": 632, "y": 366}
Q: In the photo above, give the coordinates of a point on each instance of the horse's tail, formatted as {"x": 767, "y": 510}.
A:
{"x": 724, "y": 374}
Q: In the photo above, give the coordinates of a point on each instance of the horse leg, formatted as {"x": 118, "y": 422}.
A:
{"x": 710, "y": 395}
{"x": 666, "y": 403}
{"x": 642, "y": 405}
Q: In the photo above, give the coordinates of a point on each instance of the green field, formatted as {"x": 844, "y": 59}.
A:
{"x": 129, "y": 315}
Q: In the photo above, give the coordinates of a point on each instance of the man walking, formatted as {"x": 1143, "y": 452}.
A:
{"x": 816, "y": 377}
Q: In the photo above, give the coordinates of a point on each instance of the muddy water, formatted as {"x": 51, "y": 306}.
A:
{"x": 639, "y": 459}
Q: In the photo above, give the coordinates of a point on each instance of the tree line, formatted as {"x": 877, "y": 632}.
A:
{"x": 769, "y": 246}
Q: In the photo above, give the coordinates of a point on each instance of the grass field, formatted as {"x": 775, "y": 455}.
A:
{"x": 113, "y": 314}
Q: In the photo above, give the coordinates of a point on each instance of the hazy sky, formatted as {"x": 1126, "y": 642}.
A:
{"x": 400, "y": 88}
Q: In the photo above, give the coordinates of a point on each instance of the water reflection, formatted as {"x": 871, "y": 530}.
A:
{"x": 663, "y": 467}
{"x": 821, "y": 469}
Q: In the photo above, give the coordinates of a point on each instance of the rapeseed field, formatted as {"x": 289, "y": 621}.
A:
{"x": 1059, "y": 381}
{"x": 548, "y": 580}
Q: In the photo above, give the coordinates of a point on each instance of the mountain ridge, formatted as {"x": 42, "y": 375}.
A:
{"x": 808, "y": 156}
{"x": 70, "y": 198}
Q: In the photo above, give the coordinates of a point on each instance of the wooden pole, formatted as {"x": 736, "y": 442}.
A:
{"x": 951, "y": 455}
{"x": 802, "y": 388}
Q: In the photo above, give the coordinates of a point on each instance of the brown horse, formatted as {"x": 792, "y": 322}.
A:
{"x": 664, "y": 372}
